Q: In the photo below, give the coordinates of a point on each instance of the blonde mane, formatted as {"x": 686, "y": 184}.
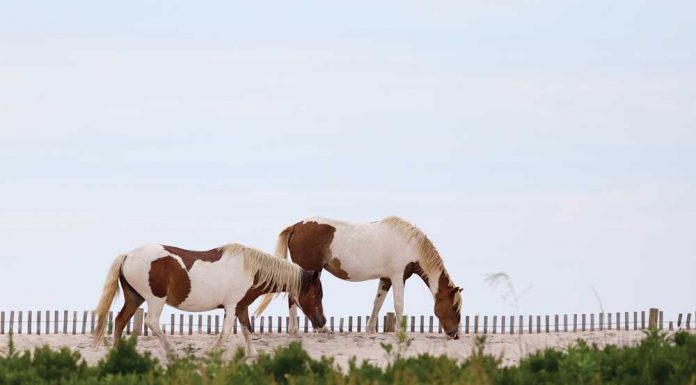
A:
{"x": 270, "y": 271}
{"x": 428, "y": 256}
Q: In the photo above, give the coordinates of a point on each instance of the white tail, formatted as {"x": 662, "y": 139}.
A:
{"x": 109, "y": 292}
{"x": 281, "y": 251}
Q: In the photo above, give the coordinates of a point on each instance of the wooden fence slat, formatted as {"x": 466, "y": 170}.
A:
{"x": 555, "y": 323}
{"x": 601, "y": 321}
{"x": 661, "y": 322}
{"x": 217, "y": 324}
{"x": 29, "y": 321}
{"x": 331, "y": 323}
{"x": 485, "y": 324}
{"x": 190, "y": 324}
{"x": 512, "y": 324}
{"x": 679, "y": 320}
{"x": 280, "y": 324}
{"x": 384, "y": 328}
{"x": 181, "y": 324}
{"x": 430, "y": 326}
{"x": 502, "y": 325}
{"x": 74, "y": 322}
{"x": 413, "y": 324}
{"x": 476, "y": 322}
{"x": 609, "y": 321}
{"x": 495, "y": 324}
{"x": 538, "y": 326}
{"x": 350, "y": 324}
{"x": 466, "y": 325}
{"x": 583, "y": 322}
{"x": 521, "y": 327}
{"x": 635, "y": 320}
{"x": 65, "y": 322}
{"x": 172, "y": 330}
{"x": 359, "y": 324}
{"x": 626, "y": 321}
{"x": 200, "y": 325}
{"x": 390, "y": 322}
{"x": 565, "y": 322}
{"x": 340, "y": 325}
{"x": 84, "y": 322}
{"x": 422, "y": 323}
{"x": 209, "y": 325}
{"x": 11, "y": 326}
{"x": 91, "y": 322}
{"x": 55, "y": 322}
{"x": 618, "y": 321}
{"x": 270, "y": 324}
{"x": 529, "y": 327}
{"x": 642, "y": 319}
{"x": 546, "y": 327}
{"x": 688, "y": 321}
{"x": 575, "y": 322}
{"x": 261, "y": 325}
{"x": 38, "y": 322}
{"x": 145, "y": 327}
{"x": 306, "y": 325}
{"x": 48, "y": 322}
{"x": 671, "y": 326}
{"x": 19, "y": 322}
{"x": 2, "y": 322}
{"x": 591, "y": 322}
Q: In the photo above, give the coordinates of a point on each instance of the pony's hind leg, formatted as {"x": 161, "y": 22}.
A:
{"x": 132, "y": 300}
{"x": 154, "y": 310}
{"x": 382, "y": 289}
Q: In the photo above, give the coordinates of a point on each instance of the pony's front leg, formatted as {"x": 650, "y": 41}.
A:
{"x": 243, "y": 317}
{"x": 293, "y": 327}
{"x": 382, "y": 289}
{"x": 227, "y": 323}
{"x": 399, "y": 302}
{"x": 154, "y": 310}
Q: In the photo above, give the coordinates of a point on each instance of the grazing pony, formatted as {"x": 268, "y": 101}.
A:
{"x": 390, "y": 250}
{"x": 229, "y": 277}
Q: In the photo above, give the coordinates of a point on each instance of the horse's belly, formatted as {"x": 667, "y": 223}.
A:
{"x": 214, "y": 285}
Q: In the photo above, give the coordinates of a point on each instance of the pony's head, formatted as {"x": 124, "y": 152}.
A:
{"x": 448, "y": 303}
{"x": 310, "y": 298}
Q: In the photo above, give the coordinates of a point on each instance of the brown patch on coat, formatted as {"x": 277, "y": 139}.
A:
{"x": 445, "y": 309}
{"x": 309, "y": 244}
{"x": 189, "y": 257}
{"x": 168, "y": 279}
{"x": 415, "y": 268}
{"x": 334, "y": 267}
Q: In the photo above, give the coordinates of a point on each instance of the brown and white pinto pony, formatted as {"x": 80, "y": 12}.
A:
{"x": 229, "y": 277}
{"x": 390, "y": 250}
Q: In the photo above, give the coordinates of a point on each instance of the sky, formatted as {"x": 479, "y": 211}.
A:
{"x": 554, "y": 141}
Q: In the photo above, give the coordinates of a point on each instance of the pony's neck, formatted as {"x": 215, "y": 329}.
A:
{"x": 439, "y": 284}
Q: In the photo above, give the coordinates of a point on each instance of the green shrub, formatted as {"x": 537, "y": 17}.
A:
{"x": 657, "y": 359}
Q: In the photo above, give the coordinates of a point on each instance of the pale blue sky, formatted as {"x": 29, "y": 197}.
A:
{"x": 551, "y": 140}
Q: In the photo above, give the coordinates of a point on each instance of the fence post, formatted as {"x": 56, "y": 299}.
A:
{"x": 413, "y": 324}
{"x": 538, "y": 324}
{"x": 485, "y": 324}
{"x": 688, "y": 321}
{"x": 422, "y": 323}
{"x": 29, "y": 322}
{"x": 217, "y": 324}
{"x": 529, "y": 327}
{"x": 430, "y": 326}
{"x": 172, "y": 330}
{"x": 660, "y": 321}
{"x": 466, "y": 325}
{"x": 521, "y": 328}
{"x": 340, "y": 325}
{"x": 138, "y": 321}
{"x": 270, "y": 324}
{"x": 583, "y": 321}
{"x": 11, "y": 328}
{"x": 565, "y": 322}
{"x": 280, "y": 324}
{"x": 652, "y": 320}
{"x": 512, "y": 324}
{"x": 91, "y": 323}
{"x": 502, "y": 325}
{"x": 390, "y": 323}
{"x": 181, "y": 324}
{"x": 476, "y": 318}
{"x": 2, "y": 322}
{"x": 306, "y": 325}
{"x": 495, "y": 324}
{"x": 592, "y": 322}
{"x": 210, "y": 321}
{"x": 65, "y": 322}
{"x": 19, "y": 322}
{"x": 359, "y": 323}
{"x": 350, "y": 324}
{"x": 190, "y": 324}
{"x": 642, "y": 319}
{"x": 48, "y": 321}
{"x": 601, "y": 321}
{"x": 331, "y": 323}
{"x": 55, "y": 322}
{"x": 260, "y": 325}
{"x": 546, "y": 327}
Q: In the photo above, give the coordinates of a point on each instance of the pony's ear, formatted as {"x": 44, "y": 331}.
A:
{"x": 456, "y": 289}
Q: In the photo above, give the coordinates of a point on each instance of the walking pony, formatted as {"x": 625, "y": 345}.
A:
{"x": 390, "y": 250}
{"x": 229, "y": 277}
